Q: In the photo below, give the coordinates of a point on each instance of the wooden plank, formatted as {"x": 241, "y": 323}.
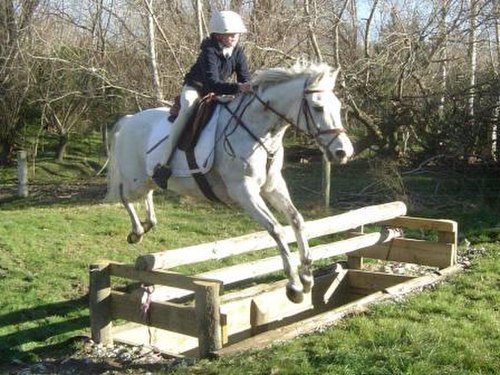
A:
{"x": 163, "y": 315}
{"x": 452, "y": 238}
{"x": 167, "y": 342}
{"x": 370, "y": 282}
{"x": 245, "y": 317}
{"x": 408, "y": 250}
{"x": 262, "y": 240}
{"x": 274, "y": 306}
{"x": 331, "y": 291}
{"x": 159, "y": 277}
{"x": 423, "y": 223}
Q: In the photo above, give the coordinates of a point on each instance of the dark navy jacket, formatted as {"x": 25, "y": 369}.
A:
{"x": 211, "y": 70}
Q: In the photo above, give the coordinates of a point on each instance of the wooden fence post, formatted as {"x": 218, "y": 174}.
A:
{"x": 100, "y": 303}
{"x": 356, "y": 262}
{"x": 22, "y": 174}
{"x": 326, "y": 181}
{"x": 450, "y": 237}
{"x": 207, "y": 305}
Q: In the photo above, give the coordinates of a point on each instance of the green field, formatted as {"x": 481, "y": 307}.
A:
{"x": 48, "y": 240}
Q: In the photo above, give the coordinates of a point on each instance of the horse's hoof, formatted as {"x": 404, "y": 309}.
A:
{"x": 307, "y": 280}
{"x": 147, "y": 226}
{"x": 134, "y": 238}
{"x": 295, "y": 296}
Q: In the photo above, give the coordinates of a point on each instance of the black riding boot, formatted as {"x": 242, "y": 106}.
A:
{"x": 161, "y": 174}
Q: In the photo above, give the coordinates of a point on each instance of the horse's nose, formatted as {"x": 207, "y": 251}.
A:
{"x": 340, "y": 154}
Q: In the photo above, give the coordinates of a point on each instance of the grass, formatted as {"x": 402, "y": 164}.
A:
{"x": 451, "y": 329}
{"x": 48, "y": 240}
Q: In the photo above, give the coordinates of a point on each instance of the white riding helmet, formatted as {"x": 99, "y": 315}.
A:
{"x": 226, "y": 22}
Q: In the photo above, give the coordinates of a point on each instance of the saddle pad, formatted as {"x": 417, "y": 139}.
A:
{"x": 204, "y": 150}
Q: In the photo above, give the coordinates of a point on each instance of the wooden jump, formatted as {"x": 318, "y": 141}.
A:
{"x": 194, "y": 316}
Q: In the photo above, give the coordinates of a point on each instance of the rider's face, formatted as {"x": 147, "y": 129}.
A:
{"x": 229, "y": 40}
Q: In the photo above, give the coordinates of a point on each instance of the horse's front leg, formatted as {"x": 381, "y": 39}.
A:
{"x": 135, "y": 236}
{"x": 276, "y": 192}
{"x": 247, "y": 195}
{"x": 150, "y": 213}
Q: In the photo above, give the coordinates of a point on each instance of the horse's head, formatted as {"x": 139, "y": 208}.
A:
{"x": 319, "y": 115}
{"x": 303, "y": 96}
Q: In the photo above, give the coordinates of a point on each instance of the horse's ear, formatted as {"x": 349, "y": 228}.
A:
{"x": 335, "y": 74}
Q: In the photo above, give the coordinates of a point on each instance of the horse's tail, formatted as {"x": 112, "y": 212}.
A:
{"x": 113, "y": 170}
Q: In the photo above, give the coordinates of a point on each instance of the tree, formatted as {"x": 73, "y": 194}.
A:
{"x": 15, "y": 27}
{"x": 406, "y": 65}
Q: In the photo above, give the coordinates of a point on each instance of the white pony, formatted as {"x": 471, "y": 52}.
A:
{"x": 248, "y": 156}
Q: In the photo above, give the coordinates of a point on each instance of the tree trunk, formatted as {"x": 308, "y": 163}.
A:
{"x": 152, "y": 52}
{"x": 495, "y": 116}
{"x": 199, "y": 14}
{"x": 310, "y": 29}
{"x": 367, "y": 29}
{"x": 105, "y": 140}
{"x": 444, "y": 55}
{"x": 472, "y": 50}
{"x": 5, "y": 152}
{"x": 326, "y": 167}
{"x": 61, "y": 147}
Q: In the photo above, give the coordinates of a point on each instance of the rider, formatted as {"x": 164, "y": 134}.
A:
{"x": 220, "y": 57}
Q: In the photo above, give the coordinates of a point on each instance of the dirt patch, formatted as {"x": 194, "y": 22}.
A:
{"x": 47, "y": 194}
{"x": 93, "y": 358}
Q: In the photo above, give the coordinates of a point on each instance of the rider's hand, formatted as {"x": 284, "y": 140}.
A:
{"x": 245, "y": 87}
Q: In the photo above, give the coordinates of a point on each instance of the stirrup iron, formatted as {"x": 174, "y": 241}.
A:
{"x": 161, "y": 174}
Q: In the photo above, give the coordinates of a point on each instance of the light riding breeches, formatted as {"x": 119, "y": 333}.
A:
{"x": 189, "y": 99}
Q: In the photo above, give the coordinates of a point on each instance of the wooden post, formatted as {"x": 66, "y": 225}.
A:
{"x": 100, "y": 303}
{"x": 326, "y": 182}
{"x": 22, "y": 174}
{"x": 356, "y": 262}
{"x": 449, "y": 237}
{"x": 207, "y": 305}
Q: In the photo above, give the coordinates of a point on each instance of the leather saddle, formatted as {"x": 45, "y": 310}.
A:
{"x": 199, "y": 119}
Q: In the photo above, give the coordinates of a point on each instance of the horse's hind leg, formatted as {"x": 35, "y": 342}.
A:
{"x": 248, "y": 196}
{"x": 278, "y": 196}
{"x": 150, "y": 212}
{"x": 135, "y": 236}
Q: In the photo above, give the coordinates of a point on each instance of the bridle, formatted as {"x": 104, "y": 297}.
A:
{"x": 313, "y": 130}
{"x": 305, "y": 108}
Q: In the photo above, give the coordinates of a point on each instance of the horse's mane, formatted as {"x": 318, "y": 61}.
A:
{"x": 315, "y": 72}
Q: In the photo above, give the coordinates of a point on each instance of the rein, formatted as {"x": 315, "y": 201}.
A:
{"x": 244, "y": 126}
